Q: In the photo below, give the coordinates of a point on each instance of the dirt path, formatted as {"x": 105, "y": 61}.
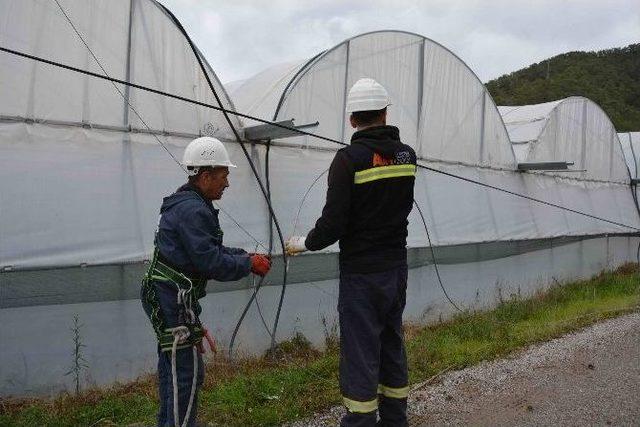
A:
{"x": 591, "y": 377}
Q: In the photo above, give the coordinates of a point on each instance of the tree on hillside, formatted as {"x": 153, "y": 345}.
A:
{"x": 609, "y": 77}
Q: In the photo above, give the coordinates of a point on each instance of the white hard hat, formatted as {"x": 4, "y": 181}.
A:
{"x": 205, "y": 151}
{"x": 367, "y": 95}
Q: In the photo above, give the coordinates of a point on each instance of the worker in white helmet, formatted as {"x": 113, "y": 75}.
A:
{"x": 369, "y": 197}
{"x": 189, "y": 252}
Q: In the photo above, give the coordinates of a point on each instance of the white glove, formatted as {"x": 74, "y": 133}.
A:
{"x": 295, "y": 244}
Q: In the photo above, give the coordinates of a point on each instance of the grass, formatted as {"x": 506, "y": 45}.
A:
{"x": 298, "y": 380}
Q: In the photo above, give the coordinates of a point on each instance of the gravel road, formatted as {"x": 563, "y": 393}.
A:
{"x": 591, "y": 377}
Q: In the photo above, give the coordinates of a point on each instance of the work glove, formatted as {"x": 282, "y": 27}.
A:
{"x": 260, "y": 264}
{"x": 210, "y": 340}
{"x": 295, "y": 245}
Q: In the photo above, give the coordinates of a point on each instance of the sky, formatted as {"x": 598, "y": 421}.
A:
{"x": 242, "y": 37}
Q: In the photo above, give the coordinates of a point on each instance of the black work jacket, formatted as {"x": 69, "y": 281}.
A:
{"x": 369, "y": 198}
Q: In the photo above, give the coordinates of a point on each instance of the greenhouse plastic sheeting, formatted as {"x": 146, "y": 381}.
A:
{"x": 270, "y": 84}
{"x": 111, "y": 182}
{"x": 81, "y": 176}
{"x": 574, "y": 130}
{"x": 440, "y": 105}
{"x": 91, "y": 197}
{"x": 458, "y": 212}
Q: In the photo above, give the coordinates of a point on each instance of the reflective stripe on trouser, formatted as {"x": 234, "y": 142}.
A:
{"x": 393, "y": 392}
{"x": 360, "y": 407}
{"x": 372, "y": 347}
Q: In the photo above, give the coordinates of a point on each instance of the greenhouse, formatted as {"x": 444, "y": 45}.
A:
{"x": 85, "y": 163}
{"x": 631, "y": 148}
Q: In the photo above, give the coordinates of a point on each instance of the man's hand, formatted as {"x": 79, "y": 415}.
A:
{"x": 295, "y": 245}
{"x": 260, "y": 264}
{"x": 211, "y": 340}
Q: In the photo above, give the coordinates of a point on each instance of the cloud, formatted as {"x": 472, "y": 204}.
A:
{"x": 494, "y": 37}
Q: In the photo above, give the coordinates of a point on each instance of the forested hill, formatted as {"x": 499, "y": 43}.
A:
{"x": 609, "y": 77}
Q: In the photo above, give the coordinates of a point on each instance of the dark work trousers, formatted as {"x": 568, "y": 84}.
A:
{"x": 373, "y": 361}
{"x": 167, "y": 299}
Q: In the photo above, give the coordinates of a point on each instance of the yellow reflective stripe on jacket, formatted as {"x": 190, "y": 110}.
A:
{"x": 360, "y": 407}
{"x": 395, "y": 393}
{"x": 383, "y": 172}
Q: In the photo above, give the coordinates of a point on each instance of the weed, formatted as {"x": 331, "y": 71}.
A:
{"x": 331, "y": 336}
{"x": 79, "y": 363}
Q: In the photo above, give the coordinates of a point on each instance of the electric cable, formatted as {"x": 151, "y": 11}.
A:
{"x": 183, "y": 328}
{"x": 113, "y": 83}
{"x": 264, "y": 322}
{"x": 433, "y": 257}
{"x": 162, "y": 93}
{"x": 253, "y": 169}
{"x": 267, "y": 174}
{"x": 133, "y": 109}
{"x": 310, "y": 134}
{"x": 236, "y": 329}
{"x": 634, "y": 195}
{"x": 158, "y": 139}
{"x": 424, "y": 222}
{"x": 251, "y": 236}
{"x": 301, "y": 132}
{"x": 226, "y": 112}
{"x": 304, "y": 197}
{"x": 256, "y": 288}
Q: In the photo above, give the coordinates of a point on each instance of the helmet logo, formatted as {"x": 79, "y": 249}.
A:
{"x": 209, "y": 129}
{"x": 207, "y": 153}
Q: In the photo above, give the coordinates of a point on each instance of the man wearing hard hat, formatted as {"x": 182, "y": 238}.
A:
{"x": 188, "y": 252}
{"x": 369, "y": 198}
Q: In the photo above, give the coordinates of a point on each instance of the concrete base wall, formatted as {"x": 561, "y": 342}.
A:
{"x": 37, "y": 348}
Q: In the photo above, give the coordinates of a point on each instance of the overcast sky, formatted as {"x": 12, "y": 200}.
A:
{"x": 494, "y": 37}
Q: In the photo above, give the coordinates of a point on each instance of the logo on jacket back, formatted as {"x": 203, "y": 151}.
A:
{"x": 378, "y": 160}
{"x": 401, "y": 158}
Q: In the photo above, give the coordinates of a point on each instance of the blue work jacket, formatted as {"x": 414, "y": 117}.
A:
{"x": 190, "y": 238}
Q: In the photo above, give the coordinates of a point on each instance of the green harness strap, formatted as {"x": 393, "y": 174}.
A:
{"x": 159, "y": 272}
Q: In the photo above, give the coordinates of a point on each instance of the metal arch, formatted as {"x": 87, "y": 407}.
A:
{"x": 294, "y": 78}
{"x": 616, "y": 137}
{"x": 591, "y": 102}
{"x": 633, "y": 153}
{"x": 306, "y": 67}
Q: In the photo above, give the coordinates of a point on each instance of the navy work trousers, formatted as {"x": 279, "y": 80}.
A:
{"x": 167, "y": 299}
{"x": 373, "y": 361}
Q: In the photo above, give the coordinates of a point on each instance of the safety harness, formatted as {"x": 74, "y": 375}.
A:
{"x": 188, "y": 332}
{"x": 189, "y": 290}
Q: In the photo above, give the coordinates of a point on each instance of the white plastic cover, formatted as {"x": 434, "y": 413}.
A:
{"x": 259, "y": 96}
{"x": 438, "y": 104}
{"x": 574, "y": 130}
{"x": 441, "y": 107}
{"x": 81, "y": 177}
{"x": 112, "y": 180}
